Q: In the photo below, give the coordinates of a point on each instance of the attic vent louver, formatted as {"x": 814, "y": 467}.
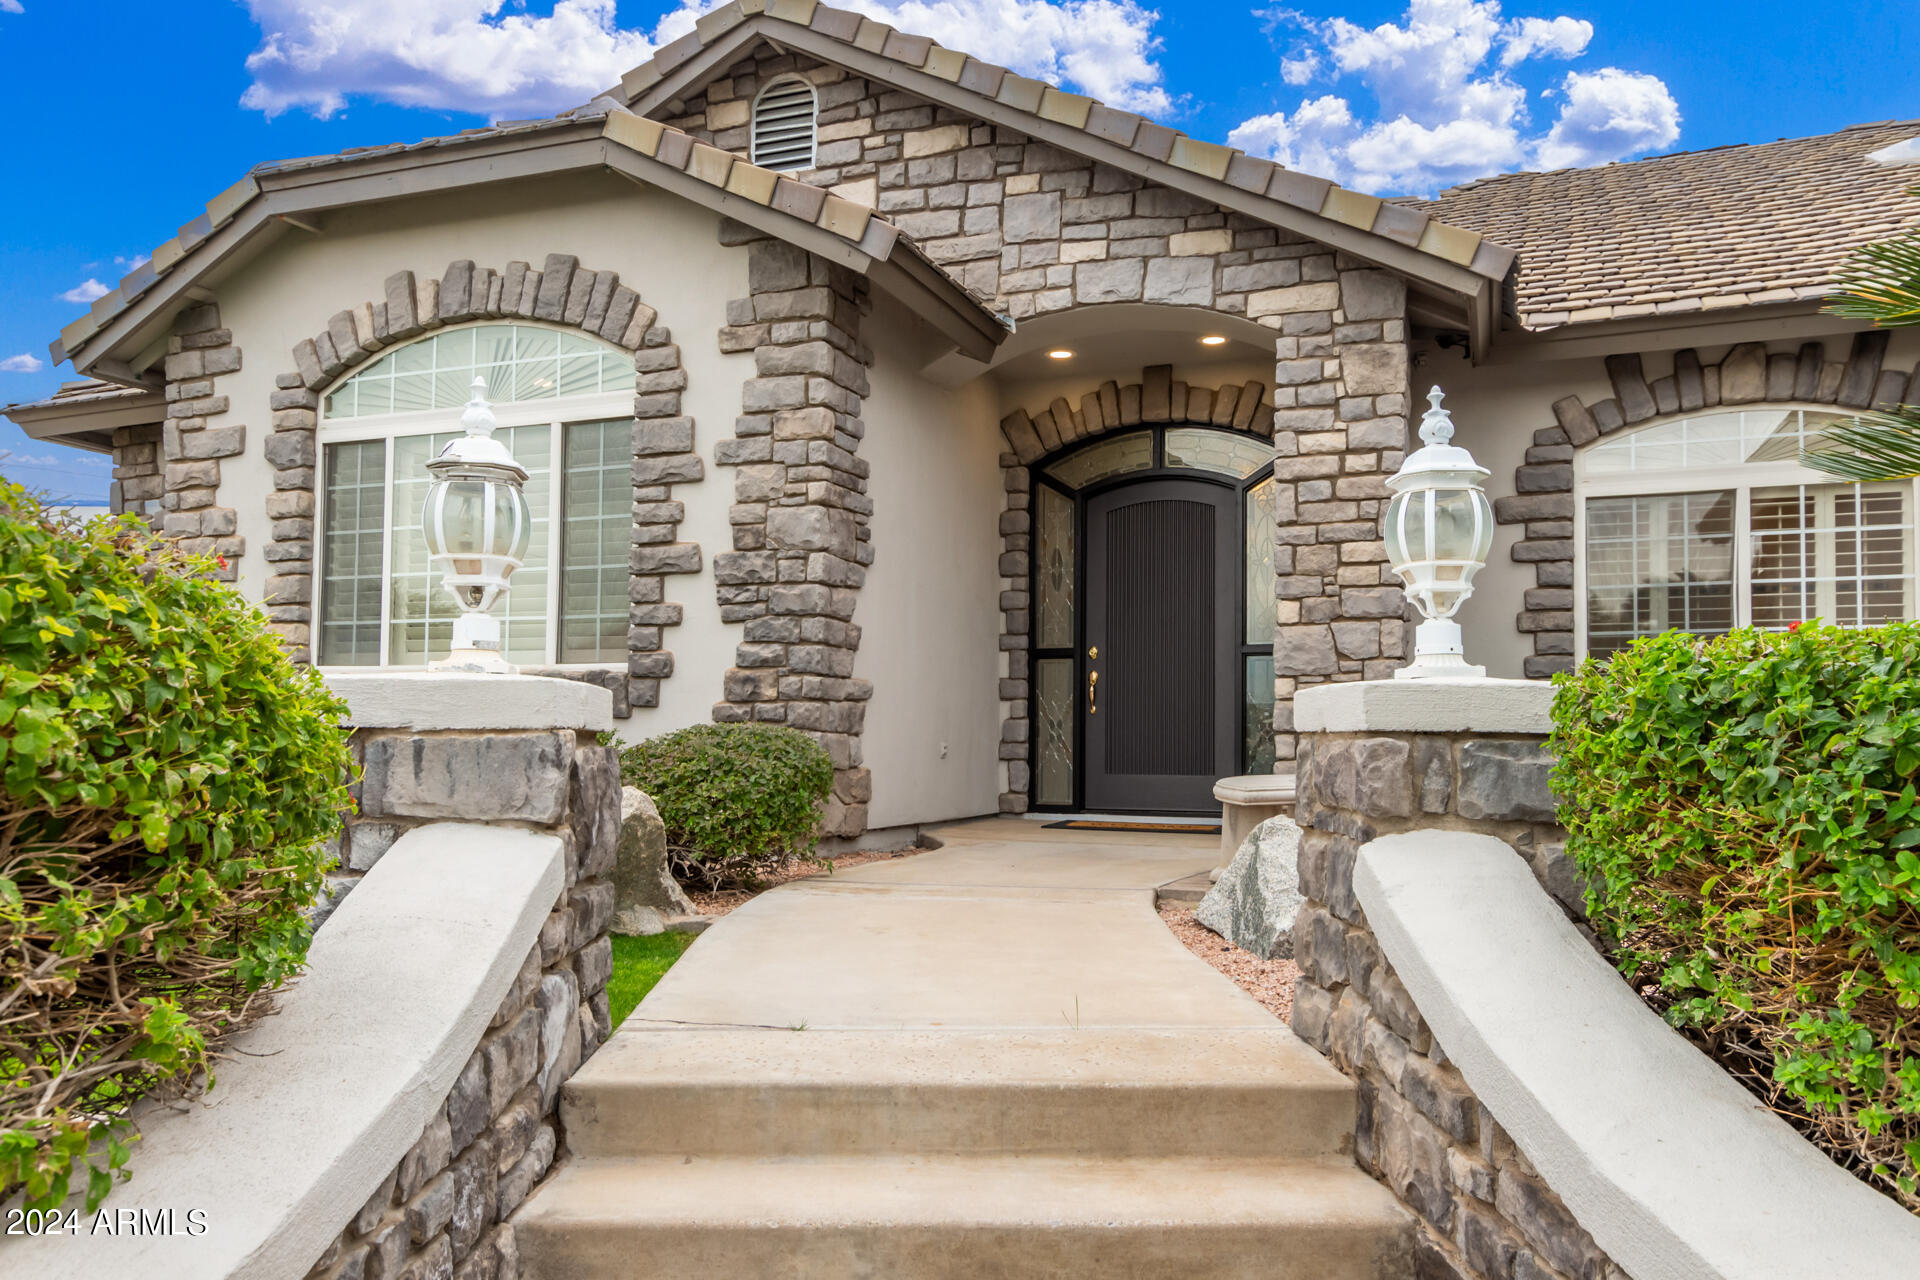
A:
{"x": 783, "y": 125}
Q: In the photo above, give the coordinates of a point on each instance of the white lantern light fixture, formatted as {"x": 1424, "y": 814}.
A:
{"x": 1439, "y": 528}
{"x": 477, "y": 526}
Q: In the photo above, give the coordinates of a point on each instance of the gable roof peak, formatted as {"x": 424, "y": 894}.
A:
{"x": 1397, "y": 236}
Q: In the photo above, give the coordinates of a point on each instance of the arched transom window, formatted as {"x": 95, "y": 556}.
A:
{"x": 785, "y": 116}
{"x": 1710, "y": 522}
{"x": 564, "y": 403}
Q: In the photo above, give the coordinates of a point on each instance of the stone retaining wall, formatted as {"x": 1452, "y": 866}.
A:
{"x": 800, "y": 517}
{"x": 1483, "y": 1210}
{"x": 442, "y": 1213}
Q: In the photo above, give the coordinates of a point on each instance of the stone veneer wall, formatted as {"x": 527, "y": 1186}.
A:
{"x": 1483, "y": 1210}
{"x": 1035, "y": 228}
{"x": 800, "y": 517}
{"x": 560, "y": 292}
{"x": 1543, "y": 486}
{"x": 1039, "y": 230}
{"x": 138, "y": 480}
{"x": 442, "y": 1213}
{"x": 198, "y": 353}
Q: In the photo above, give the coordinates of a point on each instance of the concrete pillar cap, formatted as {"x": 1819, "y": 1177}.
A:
{"x": 429, "y": 700}
{"x": 1479, "y": 705}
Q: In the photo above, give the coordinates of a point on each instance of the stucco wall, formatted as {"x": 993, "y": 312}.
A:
{"x": 929, "y": 613}
{"x": 288, "y": 293}
{"x": 1496, "y": 410}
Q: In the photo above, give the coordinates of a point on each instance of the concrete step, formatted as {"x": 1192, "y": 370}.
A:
{"x": 1007, "y": 1217}
{"x": 1115, "y": 1093}
{"x": 1187, "y": 891}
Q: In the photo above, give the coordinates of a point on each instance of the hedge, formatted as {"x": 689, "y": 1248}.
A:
{"x": 738, "y": 800}
{"x": 170, "y": 782}
{"x": 1744, "y": 808}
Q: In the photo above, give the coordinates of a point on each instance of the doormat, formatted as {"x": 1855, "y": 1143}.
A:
{"x": 1184, "y": 828}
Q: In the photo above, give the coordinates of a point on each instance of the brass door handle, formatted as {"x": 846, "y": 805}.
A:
{"x": 1093, "y": 689}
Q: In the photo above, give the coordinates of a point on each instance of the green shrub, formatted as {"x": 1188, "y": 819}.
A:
{"x": 170, "y": 781}
{"x": 1744, "y": 808}
{"x": 738, "y": 800}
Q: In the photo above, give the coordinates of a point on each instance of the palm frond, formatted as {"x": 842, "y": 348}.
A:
{"x": 1879, "y": 446}
{"x": 1881, "y": 282}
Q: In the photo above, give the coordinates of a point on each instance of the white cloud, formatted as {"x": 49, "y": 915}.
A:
{"x": 1559, "y": 38}
{"x": 1449, "y": 105}
{"x": 21, "y": 363}
{"x": 128, "y": 264}
{"x": 450, "y": 55}
{"x": 11, "y": 6}
{"x": 85, "y": 292}
{"x": 1608, "y": 114}
{"x": 463, "y": 55}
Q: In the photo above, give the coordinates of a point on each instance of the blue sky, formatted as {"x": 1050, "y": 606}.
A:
{"x": 126, "y": 121}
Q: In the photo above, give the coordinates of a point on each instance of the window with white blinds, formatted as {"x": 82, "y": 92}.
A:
{"x": 1705, "y": 523}
{"x": 379, "y": 598}
{"x": 784, "y": 125}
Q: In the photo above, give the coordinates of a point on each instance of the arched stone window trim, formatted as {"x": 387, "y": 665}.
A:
{"x": 560, "y": 292}
{"x": 1035, "y": 439}
{"x": 1543, "y": 498}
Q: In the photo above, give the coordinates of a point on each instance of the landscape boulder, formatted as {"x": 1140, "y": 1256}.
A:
{"x": 1254, "y": 902}
{"x": 645, "y": 894}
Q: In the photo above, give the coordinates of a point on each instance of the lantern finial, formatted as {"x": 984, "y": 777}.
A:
{"x": 1436, "y": 425}
{"x": 477, "y": 418}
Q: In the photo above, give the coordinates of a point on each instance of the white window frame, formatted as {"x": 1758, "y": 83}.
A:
{"x": 1742, "y": 478}
{"x": 557, "y": 414}
{"x": 813, "y": 121}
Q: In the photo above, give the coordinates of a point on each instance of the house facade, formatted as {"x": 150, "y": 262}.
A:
{"x": 1027, "y": 453}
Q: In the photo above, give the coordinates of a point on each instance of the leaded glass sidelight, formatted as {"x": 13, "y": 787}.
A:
{"x": 1053, "y": 569}
{"x": 1054, "y": 684}
{"x": 1261, "y": 514}
{"x": 1257, "y": 714}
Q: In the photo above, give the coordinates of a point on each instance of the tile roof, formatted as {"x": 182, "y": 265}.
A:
{"x": 1695, "y": 231}
{"x": 92, "y": 391}
{"x": 872, "y": 234}
{"x": 1399, "y": 223}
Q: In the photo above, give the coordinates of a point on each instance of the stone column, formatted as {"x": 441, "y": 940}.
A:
{"x": 1390, "y": 756}
{"x": 197, "y": 354}
{"x": 801, "y": 536}
{"x": 520, "y": 751}
{"x": 1340, "y": 429}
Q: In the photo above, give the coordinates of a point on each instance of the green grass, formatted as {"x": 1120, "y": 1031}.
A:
{"x": 638, "y": 963}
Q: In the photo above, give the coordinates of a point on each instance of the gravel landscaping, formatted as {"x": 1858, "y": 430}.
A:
{"x": 1268, "y": 981}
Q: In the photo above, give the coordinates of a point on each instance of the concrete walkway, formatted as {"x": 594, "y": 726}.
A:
{"x": 991, "y": 1060}
{"x": 1009, "y": 926}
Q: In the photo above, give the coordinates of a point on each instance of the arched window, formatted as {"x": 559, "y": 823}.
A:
{"x": 564, "y": 403}
{"x": 1709, "y": 522}
{"x": 784, "y": 124}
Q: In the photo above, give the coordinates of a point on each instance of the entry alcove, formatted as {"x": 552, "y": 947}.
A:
{"x": 1153, "y": 618}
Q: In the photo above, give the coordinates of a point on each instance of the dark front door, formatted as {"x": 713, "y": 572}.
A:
{"x": 1159, "y": 709}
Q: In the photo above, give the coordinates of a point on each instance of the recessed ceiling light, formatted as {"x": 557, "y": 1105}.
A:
{"x": 1213, "y": 340}
{"x": 1060, "y": 353}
